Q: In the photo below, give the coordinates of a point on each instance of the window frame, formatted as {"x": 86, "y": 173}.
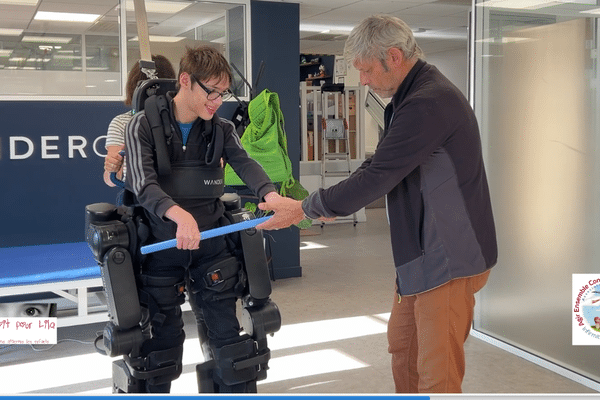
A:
{"x": 122, "y": 17}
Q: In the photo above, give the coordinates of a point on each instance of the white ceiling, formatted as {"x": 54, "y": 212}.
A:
{"x": 439, "y": 25}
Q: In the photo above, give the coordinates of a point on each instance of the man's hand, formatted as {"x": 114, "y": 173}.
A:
{"x": 287, "y": 212}
{"x": 188, "y": 234}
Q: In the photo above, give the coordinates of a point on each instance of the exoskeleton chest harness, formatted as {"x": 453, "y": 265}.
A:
{"x": 175, "y": 178}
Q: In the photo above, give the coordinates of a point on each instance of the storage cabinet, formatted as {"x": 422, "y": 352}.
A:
{"x": 311, "y": 114}
{"x": 310, "y": 72}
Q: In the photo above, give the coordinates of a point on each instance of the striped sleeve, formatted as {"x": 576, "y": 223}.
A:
{"x": 134, "y": 156}
{"x": 116, "y": 130}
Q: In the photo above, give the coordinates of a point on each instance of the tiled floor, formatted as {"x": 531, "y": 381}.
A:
{"x": 332, "y": 340}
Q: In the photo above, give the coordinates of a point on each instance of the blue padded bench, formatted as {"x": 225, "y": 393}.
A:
{"x": 67, "y": 270}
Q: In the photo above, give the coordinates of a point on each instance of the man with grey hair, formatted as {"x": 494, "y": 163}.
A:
{"x": 429, "y": 164}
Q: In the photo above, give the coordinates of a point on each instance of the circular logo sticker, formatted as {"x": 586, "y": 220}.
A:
{"x": 586, "y": 309}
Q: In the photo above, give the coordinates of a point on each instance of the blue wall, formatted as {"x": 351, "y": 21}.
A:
{"x": 43, "y": 199}
{"x": 276, "y": 41}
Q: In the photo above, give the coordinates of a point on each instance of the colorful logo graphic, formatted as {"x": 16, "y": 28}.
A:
{"x": 586, "y": 309}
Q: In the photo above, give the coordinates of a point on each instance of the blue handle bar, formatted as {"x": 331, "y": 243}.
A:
{"x": 211, "y": 233}
{"x": 116, "y": 181}
{"x": 113, "y": 175}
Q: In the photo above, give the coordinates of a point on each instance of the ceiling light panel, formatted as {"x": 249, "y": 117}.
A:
{"x": 10, "y": 32}
{"x": 79, "y": 6}
{"x": 65, "y": 17}
{"x": 164, "y": 39}
{"x": 522, "y": 4}
{"x": 20, "y": 2}
{"x": 160, "y": 7}
{"x": 46, "y": 39}
{"x": 322, "y": 28}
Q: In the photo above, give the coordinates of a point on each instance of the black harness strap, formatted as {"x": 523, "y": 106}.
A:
{"x": 157, "y": 113}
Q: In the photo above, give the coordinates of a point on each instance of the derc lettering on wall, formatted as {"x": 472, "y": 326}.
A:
{"x": 23, "y": 147}
{"x": 51, "y": 165}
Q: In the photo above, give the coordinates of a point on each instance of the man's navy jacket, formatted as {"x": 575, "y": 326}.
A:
{"x": 429, "y": 164}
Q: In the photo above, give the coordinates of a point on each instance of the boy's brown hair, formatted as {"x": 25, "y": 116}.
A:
{"x": 205, "y": 63}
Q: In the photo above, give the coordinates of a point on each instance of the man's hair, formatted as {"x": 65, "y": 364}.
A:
{"x": 205, "y": 63}
{"x": 164, "y": 69}
{"x": 375, "y": 35}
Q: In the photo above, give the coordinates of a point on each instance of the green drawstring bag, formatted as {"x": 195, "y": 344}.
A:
{"x": 265, "y": 141}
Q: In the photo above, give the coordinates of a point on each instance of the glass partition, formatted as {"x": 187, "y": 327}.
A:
{"x": 218, "y": 24}
{"x": 59, "y": 49}
{"x": 81, "y": 49}
{"x": 536, "y": 98}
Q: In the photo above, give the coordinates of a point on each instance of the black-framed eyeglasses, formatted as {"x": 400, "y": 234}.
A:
{"x": 212, "y": 94}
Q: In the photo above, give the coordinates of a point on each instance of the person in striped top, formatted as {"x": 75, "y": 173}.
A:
{"x": 115, "y": 136}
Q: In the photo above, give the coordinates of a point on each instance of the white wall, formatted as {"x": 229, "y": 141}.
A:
{"x": 454, "y": 64}
{"x": 37, "y": 83}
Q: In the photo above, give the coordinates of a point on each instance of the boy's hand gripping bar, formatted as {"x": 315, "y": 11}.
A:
{"x": 224, "y": 230}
